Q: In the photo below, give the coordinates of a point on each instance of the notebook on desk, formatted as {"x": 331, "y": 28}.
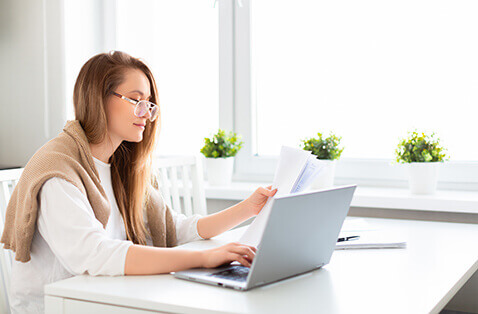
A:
{"x": 372, "y": 239}
{"x": 369, "y": 237}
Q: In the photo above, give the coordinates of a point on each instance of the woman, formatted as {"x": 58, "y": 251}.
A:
{"x": 87, "y": 202}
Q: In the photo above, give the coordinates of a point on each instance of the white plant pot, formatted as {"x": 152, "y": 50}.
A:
{"x": 326, "y": 177}
{"x": 422, "y": 177}
{"x": 219, "y": 170}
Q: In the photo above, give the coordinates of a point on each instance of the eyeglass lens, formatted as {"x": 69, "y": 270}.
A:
{"x": 142, "y": 107}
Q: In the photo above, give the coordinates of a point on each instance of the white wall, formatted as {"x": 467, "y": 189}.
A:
{"x": 31, "y": 78}
{"x": 40, "y": 57}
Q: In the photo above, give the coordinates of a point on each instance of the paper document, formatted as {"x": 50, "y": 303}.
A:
{"x": 295, "y": 171}
{"x": 370, "y": 237}
{"x": 373, "y": 239}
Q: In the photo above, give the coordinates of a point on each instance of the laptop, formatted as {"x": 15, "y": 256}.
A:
{"x": 300, "y": 235}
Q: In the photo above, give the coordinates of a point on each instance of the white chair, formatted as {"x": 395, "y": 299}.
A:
{"x": 8, "y": 181}
{"x": 181, "y": 176}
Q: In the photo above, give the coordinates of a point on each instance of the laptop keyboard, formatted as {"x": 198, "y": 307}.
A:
{"x": 237, "y": 273}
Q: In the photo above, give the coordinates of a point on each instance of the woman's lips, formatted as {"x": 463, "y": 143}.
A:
{"x": 139, "y": 125}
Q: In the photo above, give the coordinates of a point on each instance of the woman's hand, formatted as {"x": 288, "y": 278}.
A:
{"x": 214, "y": 224}
{"x": 258, "y": 199}
{"x": 230, "y": 252}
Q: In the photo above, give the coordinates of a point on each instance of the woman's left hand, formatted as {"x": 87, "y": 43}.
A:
{"x": 258, "y": 199}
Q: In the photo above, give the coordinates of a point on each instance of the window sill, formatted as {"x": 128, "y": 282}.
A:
{"x": 372, "y": 197}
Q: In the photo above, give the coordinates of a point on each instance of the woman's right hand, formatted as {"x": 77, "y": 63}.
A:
{"x": 230, "y": 252}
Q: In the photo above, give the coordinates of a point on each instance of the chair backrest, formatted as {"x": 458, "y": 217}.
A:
{"x": 182, "y": 176}
{"x": 8, "y": 181}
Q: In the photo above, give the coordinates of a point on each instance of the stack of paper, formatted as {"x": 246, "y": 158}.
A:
{"x": 376, "y": 239}
{"x": 370, "y": 238}
{"x": 295, "y": 171}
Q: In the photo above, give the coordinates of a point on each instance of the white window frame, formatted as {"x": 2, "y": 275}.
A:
{"x": 236, "y": 103}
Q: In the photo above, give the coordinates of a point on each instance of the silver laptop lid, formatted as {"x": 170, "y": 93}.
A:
{"x": 301, "y": 233}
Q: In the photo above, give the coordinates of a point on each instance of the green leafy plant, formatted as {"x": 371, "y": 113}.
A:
{"x": 222, "y": 145}
{"x": 324, "y": 148}
{"x": 420, "y": 147}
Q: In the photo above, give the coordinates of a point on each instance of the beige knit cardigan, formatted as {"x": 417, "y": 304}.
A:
{"x": 68, "y": 156}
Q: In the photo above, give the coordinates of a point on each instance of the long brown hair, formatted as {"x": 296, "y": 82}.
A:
{"x": 131, "y": 162}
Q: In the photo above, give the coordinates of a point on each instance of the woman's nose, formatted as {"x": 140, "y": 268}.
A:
{"x": 147, "y": 115}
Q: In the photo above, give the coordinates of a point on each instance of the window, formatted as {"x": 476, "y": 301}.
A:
{"x": 178, "y": 39}
{"x": 83, "y": 40}
{"x": 368, "y": 70}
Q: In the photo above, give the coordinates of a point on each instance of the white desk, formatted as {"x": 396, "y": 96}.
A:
{"x": 422, "y": 278}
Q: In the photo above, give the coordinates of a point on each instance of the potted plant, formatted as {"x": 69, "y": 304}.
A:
{"x": 328, "y": 150}
{"x": 422, "y": 153}
{"x": 219, "y": 152}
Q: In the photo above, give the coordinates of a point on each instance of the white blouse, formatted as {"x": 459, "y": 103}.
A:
{"x": 70, "y": 241}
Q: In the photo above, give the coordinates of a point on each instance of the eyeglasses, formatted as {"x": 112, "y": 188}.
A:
{"x": 142, "y": 106}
